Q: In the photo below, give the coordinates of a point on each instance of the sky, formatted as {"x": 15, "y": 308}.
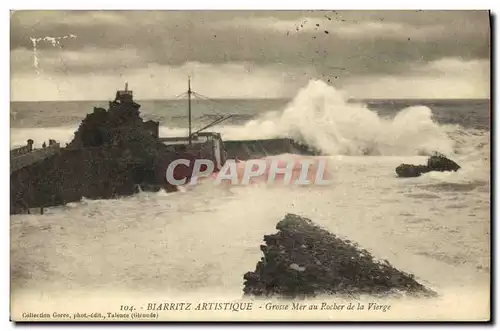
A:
{"x": 88, "y": 55}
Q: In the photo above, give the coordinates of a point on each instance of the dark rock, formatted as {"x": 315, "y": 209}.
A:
{"x": 410, "y": 170}
{"x": 113, "y": 153}
{"x": 437, "y": 162}
{"x": 302, "y": 260}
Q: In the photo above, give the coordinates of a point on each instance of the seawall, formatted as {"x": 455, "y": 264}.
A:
{"x": 251, "y": 149}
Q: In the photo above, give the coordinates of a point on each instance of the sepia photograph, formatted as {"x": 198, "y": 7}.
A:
{"x": 250, "y": 165}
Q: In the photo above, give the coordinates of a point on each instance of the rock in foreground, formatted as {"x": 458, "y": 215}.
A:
{"x": 302, "y": 260}
{"x": 436, "y": 162}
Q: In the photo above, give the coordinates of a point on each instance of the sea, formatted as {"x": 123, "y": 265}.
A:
{"x": 198, "y": 243}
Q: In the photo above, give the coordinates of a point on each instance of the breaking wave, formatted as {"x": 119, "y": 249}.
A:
{"x": 320, "y": 116}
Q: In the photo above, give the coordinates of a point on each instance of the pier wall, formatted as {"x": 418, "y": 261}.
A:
{"x": 93, "y": 173}
{"x": 252, "y": 149}
{"x": 20, "y": 150}
{"x": 68, "y": 176}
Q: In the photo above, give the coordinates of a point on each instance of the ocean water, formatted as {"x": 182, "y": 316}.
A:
{"x": 198, "y": 243}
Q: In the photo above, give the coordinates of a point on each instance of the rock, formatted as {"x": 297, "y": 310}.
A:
{"x": 410, "y": 170}
{"x": 113, "y": 153}
{"x": 437, "y": 162}
{"x": 303, "y": 260}
{"x": 296, "y": 267}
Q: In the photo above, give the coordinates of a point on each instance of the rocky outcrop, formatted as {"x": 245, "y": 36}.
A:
{"x": 113, "y": 153}
{"x": 436, "y": 162}
{"x": 411, "y": 170}
{"x": 303, "y": 260}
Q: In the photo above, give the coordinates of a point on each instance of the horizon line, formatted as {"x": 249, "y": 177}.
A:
{"x": 259, "y": 98}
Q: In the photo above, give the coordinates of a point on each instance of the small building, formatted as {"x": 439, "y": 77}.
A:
{"x": 124, "y": 97}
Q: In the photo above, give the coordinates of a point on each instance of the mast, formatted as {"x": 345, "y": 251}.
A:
{"x": 189, "y": 108}
{"x": 217, "y": 121}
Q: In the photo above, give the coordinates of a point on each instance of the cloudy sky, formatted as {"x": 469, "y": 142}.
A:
{"x": 243, "y": 54}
